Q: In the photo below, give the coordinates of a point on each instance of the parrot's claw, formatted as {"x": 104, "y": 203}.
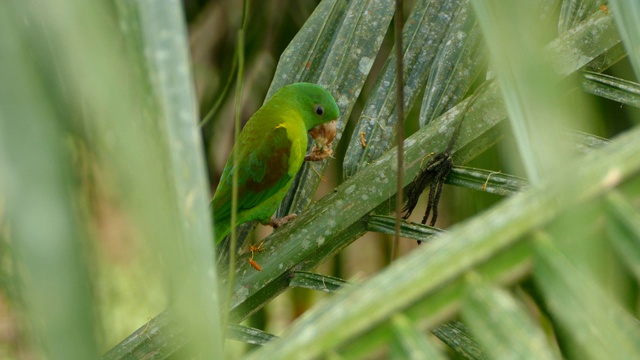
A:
{"x": 278, "y": 222}
{"x": 319, "y": 154}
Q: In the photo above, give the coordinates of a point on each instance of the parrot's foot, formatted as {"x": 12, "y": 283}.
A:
{"x": 278, "y": 222}
{"x": 319, "y": 153}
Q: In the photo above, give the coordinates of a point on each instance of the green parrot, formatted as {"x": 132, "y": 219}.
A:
{"x": 272, "y": 147}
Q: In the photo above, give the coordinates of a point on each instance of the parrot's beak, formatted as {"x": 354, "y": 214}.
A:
{"x": 323, "y": 135}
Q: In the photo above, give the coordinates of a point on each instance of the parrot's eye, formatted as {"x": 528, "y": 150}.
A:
{"x": 318, "y": 109}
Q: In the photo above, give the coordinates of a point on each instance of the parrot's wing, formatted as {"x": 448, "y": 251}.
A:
{"x": 263, "y": 170}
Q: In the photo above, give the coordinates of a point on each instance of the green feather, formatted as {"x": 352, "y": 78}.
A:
{"x": 271, "y": 150}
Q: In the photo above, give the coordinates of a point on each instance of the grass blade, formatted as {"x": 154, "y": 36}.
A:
{"x": 501, "y": 325}
{"x": 608, "y": 331}
{"x": 612, "y": 88}
{"x": 458, "y": 338}
{"x": 528, "y": 84}
{"x": 311, "y": 281}
{"x": 574, "y": 11}
{"x": 192, "y": 271}
{"x": 413, "y": 344}
{"x": 386, "y": 225}
{"x": 627, "y": 15}
{"x": 493, "y": 182}
{"x": 624, "y": 230}
{"x": 40, "y": 193}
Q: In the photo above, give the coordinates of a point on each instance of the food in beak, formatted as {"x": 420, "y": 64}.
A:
{"x": 323, "y": 136}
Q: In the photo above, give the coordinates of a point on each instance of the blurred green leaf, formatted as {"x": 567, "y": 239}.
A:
{"x": 37, "y": 188}
{"x": 584, "y": 142}
{"x": 574, "y": 11}
{"x": 192, "y": 271}
{"x": 624, "y": 230}
{"x": 413, "y": 343}
{"x": 501, "y": 325}
{"x": 536, "y": 110}
{"x": 495, "y": 182}
{"x": 505, "y": 267}
{"x": 583, "y": 45}
{"x": 598, "y": 326}
{"x": 627, "y": 15}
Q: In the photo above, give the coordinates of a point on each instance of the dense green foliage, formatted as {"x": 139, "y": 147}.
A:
{"x": 106, "y": 170}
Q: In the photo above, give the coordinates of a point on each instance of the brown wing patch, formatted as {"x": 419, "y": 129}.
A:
{"x": 262, "y": 172}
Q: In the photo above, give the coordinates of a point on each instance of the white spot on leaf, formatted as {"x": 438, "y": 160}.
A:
{"x": 365, "y": 65}
{"x": 343, "y": 101}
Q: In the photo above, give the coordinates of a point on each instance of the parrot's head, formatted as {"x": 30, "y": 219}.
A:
{"x": 315, "y": 104}
{"x": 318, "y": 110}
